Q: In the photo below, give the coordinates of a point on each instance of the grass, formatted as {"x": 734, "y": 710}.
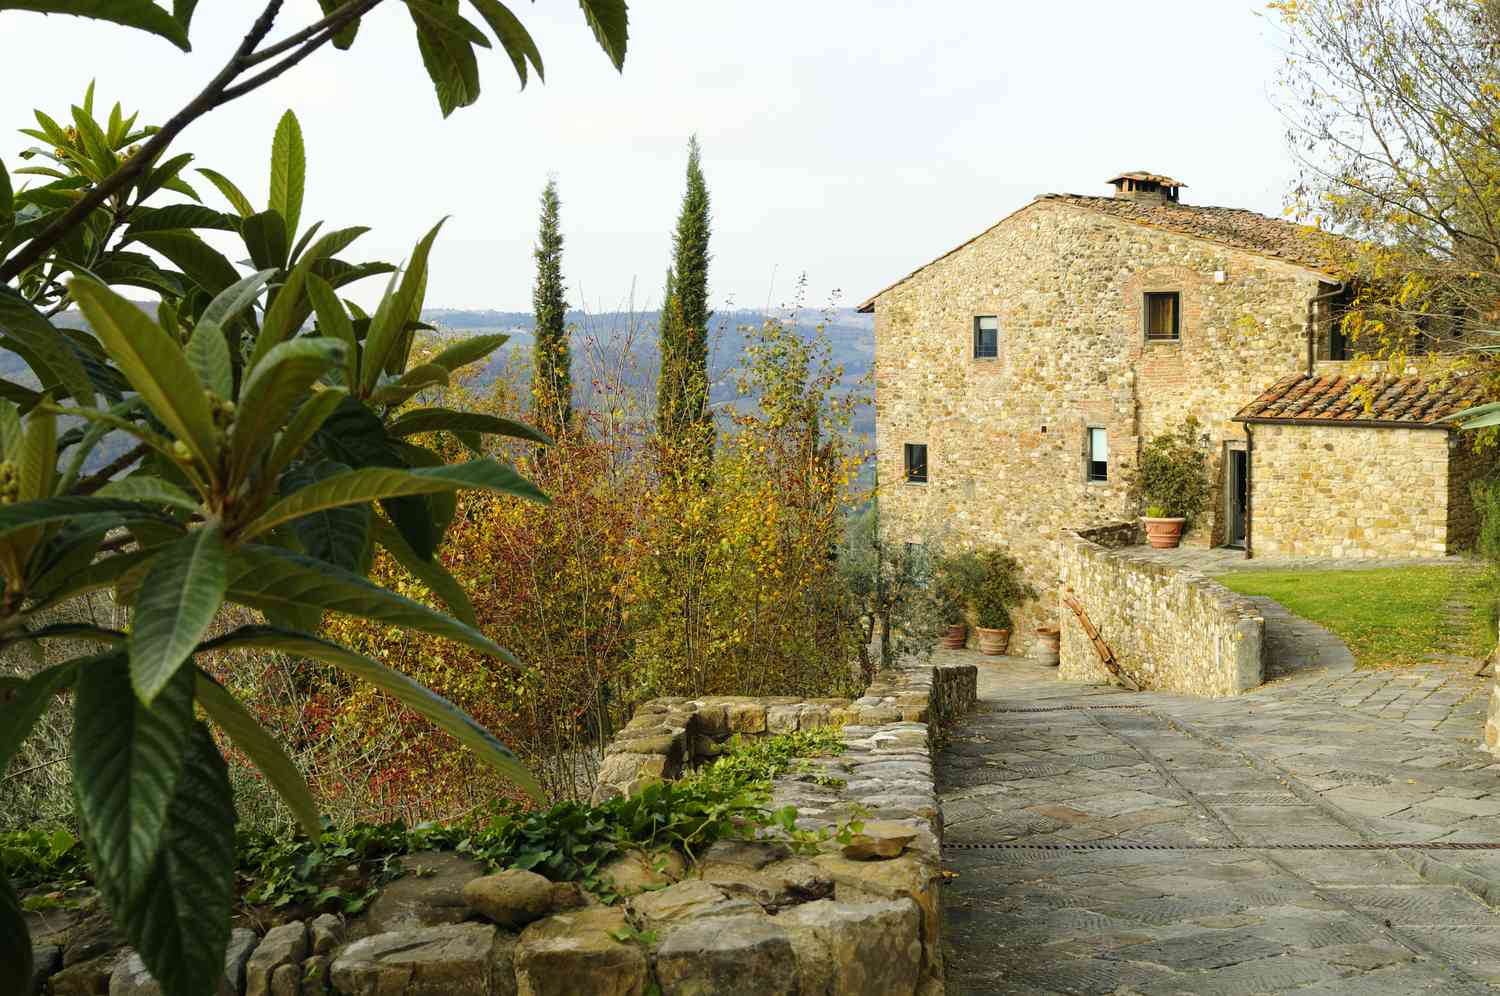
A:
{"x": 1391, "y": 617}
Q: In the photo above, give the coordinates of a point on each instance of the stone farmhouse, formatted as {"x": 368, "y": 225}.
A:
{"x": 1018, "y": 375}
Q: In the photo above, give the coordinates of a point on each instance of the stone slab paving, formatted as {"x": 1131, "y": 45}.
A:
{"x": 1211, "y": 780}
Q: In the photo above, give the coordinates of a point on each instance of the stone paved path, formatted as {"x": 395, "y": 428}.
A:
{"x": 1294, "y": 763}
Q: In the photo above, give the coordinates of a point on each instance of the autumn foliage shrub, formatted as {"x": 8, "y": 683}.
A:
{"x": 636, "y": 581}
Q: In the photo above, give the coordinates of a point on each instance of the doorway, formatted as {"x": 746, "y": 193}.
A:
{"x": 1237, "y": 495}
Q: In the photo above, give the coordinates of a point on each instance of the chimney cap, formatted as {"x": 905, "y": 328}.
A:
{"x": 1147, "y": 177}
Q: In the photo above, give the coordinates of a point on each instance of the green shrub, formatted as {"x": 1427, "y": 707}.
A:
{"x": 1172, "y": 478}
{"x": 1000, "y": 587}
{"x": 1486, "y": 496}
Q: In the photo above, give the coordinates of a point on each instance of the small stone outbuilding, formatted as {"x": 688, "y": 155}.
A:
{"x": 1361, "y": 466}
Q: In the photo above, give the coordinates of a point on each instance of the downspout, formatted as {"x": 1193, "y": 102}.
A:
{"x": 1312, "y": 323}
{"x": 1249, "y": 491}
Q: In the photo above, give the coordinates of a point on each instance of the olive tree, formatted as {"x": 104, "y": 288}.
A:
{"x": 271, "y": 450}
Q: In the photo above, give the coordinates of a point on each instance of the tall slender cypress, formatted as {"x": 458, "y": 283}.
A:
{"x": 682, "y": 390}
{"x": 551, "y": 377}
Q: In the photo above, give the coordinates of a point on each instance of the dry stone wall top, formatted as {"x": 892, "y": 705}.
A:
{"x": 1170, "y": 629}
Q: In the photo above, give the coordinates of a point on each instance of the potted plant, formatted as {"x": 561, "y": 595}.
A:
{"x": 956, "y": 579}
{"x": 1172, "y": 482}
{"x": 999, "y": 587}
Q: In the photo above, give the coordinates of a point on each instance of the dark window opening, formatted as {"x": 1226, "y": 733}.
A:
{"x": 1098, "y": 457}
{"x": 916, "y": 463}
{"x": 1163, "y": 315}
{"x": 986, "y": 337}
{"x": 1339, "y": 345}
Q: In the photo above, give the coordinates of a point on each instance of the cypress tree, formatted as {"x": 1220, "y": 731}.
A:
{"x": 682, "y": 389}
{"x": 552, "y": 377}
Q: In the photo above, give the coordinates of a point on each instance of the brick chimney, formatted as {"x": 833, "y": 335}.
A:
{"x": 1148, "y": 188}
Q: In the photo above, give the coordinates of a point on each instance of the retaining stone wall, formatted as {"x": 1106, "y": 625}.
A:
{"x": 1492, "y": 724}
{"x": 1170, "y": 629}
{"x": 750, "y": 917}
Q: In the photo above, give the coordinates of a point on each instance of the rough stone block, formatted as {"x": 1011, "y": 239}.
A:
{"x": 430, "y": 894}
{"x": 465, "y": 959}
{"x": 283, "y": 945}
{"x": 859, "y": 949}
{"x": 745, "y": 955}
{"x": 577, "y": 952}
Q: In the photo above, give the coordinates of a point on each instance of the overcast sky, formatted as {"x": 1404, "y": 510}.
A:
{"x": 850, "y": 139}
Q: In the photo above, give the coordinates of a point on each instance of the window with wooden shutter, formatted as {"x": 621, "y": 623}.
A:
{"x": 1163, "y": 315}
{"x": 986, "y": 337}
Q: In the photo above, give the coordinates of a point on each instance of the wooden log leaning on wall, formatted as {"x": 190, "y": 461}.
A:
{"x": 1106, "y": 655}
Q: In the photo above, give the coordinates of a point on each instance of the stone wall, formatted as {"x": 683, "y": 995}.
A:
{"x": 1348, "y": 491}
{"x": 1170, "y": 629}
{"x": 1492, "y": 722}
{"x": 1467, "y": 463}
{"x": 884, "y": 777}
{"x": 1006, "y": 437}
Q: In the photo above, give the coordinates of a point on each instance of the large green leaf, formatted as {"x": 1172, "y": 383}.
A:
{"x": 290, "y": 307}
{"x": 236, "y": 298}
{"x": 410, "y": 383}
{"x": 203, "y": 264}
{"x": 302, "y": 426}
{"x": 288, "y": 171}
{"x": 266, "y": 237}
{"x": 49, "y": 511}
{"x": 102, "y": 573}
{"x": 514, "y": 37}
{"x": 275, "y": 387}
{"x": 275, "y": 580}
{"x": 33, "y": 337}
{"x": 144, "y": 220}
{"x": 447, "y": 42}
{"x": 333, "y": 321}
{"x": 231, "y": 193}
{"x": 154, "y": 364}
{"x": 345, "y": 36}
{"x": 422, "y": 700}
{"x": 179, "y": 598}
{"x": 435, "y": 419}
{"x": 133, "y": 269}
{"x": 373, "y": 483}
{"x": 15, "y": 940}
{"x": 150, "y": 489}
{"x": 127, "y": 759}
{"x": 339, "y": 534}
{"x": 26, "y": 704}
{"x": 179, "y": 921}
{"x": 388, "y": 324}
{"x": 467, "y": 350}
{"x": 142, "y": 14}
{"x": 262, "y": 749}
{"x": 164, "y": 174}
{"x": 609, "y": 20}
{"x": 208, "y": 355}
{"x": 7, "y": 203}
{"x": 430, "y": 572}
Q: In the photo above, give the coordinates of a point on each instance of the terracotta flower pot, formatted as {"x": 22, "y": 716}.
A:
{"x": 1163, "y": 534}
{"x": 993, "y": 642}
{"x": 956, "y": 638}
{"x": 1048, "y": 642}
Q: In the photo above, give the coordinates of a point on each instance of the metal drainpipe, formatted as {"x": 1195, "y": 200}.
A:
{"x": 1312, "y": 323}
{"x": 1249, "y": 492}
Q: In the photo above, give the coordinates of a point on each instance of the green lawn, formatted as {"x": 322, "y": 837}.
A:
{"x": 1390, "y": 617}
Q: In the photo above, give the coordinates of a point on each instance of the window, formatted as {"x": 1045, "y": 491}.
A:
{"x": 1098, "y": 462}
{"x": 1163, "y": 316}
{"x": 916, "y": 463}
{"x": 986, "y": 337}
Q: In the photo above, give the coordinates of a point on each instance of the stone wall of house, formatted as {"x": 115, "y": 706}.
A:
{"x": 1006, "y": 437}
{"x": 1492, "y": 722}
{"x": 1467, "y": 463}
{"x": 1348, "y": 491}
{"x": 749, "y": 916}
{"x": 1170, "y": 629}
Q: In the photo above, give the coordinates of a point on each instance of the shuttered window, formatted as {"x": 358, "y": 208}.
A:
{"x": 1163, "y": 315}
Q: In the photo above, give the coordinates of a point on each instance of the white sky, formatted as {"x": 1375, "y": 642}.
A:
{"x": 851, "y": 139}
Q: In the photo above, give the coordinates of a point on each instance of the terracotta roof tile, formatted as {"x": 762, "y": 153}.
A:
{"x": 1301, "y": 244}
{"x": 1334, "y": 398}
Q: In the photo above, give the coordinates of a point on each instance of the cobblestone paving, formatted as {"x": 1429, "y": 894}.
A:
{"x": 1214, "y": 780}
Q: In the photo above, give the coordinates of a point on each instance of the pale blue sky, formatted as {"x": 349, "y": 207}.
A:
{"x": 851, "y": 139}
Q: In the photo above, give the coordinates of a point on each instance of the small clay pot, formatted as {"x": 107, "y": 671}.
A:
{"x": 1163, "y": 534}
{"x": 993, "y": 642}
{"x": 956, "y": 638}
{"x": 1048, "y": 641}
